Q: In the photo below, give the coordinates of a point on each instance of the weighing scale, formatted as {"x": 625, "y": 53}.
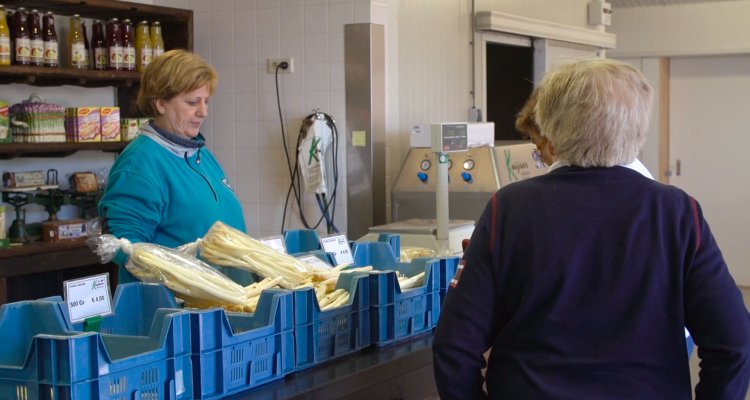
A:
{"x": 439, "y": 234}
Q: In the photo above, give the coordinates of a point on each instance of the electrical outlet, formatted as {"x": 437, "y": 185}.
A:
{"x": 274, "y": 62}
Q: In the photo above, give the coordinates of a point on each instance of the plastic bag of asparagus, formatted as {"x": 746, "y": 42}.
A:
{"x": 229, "y": 247}
{"x": 198, "y": 284}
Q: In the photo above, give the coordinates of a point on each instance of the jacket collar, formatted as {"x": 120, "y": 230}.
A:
{"x": 177, "y": 145}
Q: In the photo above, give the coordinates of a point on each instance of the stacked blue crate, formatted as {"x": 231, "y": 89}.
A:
{"x": 447, "y": 266}
{"x": 301, "y": 240}
{"x": 43, "y": 356}
{"x": 322, "y": 336}
{"x": 233, "y": 352}
{"x": 396, "y": 314}
{"x": 230, "y": 352}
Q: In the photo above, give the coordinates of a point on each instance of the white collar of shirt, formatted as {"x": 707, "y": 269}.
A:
{"x": 636, "y": 166}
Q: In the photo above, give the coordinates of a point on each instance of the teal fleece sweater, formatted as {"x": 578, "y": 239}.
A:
{"x": 167, "y": 193}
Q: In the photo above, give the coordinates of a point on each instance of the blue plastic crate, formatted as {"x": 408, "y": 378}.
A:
{"x": 448, "y": 266}
{"x": 301, "y": 240}
{"x": 376, "y": 254}
{"x": 230, "y": 352}
{"x": 233, "y": 352}
{"x": 44, "y": 357}
{"x": 321, "y": 336}
{"x": 397, "y": 315}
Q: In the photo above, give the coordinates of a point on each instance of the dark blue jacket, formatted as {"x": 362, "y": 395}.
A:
{"x": 581, "y": 282}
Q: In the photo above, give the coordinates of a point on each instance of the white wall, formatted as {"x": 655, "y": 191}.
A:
{"x": 435, "y": 59}
{"x": 685, "y": 30}
{"x": 428, "y": 77}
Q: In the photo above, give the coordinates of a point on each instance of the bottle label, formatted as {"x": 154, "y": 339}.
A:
{"x": 78, "y": 55}
{"x": 115, "y": 57}
{"x": 4, "y": 50}
{"x": 37, "y": 51}
{"x": 146, "y": 55}
{"x": 23, "y": 50}
{"x": 128, "y": 58}
{"x": 158, "y": 52}
{"x": 100, "y": 58}
{"x": 50, "y": 53}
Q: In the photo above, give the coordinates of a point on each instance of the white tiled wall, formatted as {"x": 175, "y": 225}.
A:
{"x": 243, "y": 128}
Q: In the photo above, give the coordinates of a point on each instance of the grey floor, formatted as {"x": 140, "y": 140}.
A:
{"x": 694, "y": 358}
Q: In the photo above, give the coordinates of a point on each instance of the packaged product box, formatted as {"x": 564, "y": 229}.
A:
{"x": 142, "y": 122}
{"x": 24, "y": 179}
{"x": 110, "y": 122}
{"x": 128, "y": 128}
{"x": 52, "y": 231}
{"x": 5, "y": 136}
{"x": 88, "y": 124}
{"x": 84, "y": 182}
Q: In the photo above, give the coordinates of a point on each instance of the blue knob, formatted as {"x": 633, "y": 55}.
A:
{"x": 466, "y": 176}
{"x": 422, "y": 176}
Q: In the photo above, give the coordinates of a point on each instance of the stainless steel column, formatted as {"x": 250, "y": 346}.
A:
{"x": 364, "y": 58}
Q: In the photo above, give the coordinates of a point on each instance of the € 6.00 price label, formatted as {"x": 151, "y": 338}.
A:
{"x": 88, "y": 297}
{"x": 339, "y": 246}
{"x": 274, "y": 242}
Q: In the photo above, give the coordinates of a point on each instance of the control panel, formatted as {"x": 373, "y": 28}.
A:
{"x": 470, "y": 170}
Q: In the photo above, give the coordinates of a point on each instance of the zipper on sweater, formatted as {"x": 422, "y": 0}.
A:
{"x": 198, "y": 161}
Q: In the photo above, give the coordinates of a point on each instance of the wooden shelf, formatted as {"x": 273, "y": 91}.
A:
{"x": 105, "y": 9}
{"x": 39, "y": 269}
{"x": 177, "y": 31}
{"x": 12, "y": 150}
{"x": 177, "y": 23}
{"x": 41, "y": 76}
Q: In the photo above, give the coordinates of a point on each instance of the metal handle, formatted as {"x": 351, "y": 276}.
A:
{"x": 677, "y": 168}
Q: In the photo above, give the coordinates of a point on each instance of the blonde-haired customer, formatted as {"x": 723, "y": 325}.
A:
{"x": 166, "y": 187}
{"x": 582, "y": 280}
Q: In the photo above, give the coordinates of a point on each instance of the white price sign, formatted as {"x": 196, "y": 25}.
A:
{"x": 88, "y": 297}
{"x": 274, "y": 242}
{"x": 339, "y": 246}
{"x": 315, "y": 262}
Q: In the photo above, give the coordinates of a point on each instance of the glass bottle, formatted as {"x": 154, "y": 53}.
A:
{"x": 157, "y": 41}
{"x": 114, "y": 44}
{"x": 128, "y": 45}
{"x": 87, "y": 53}
{"x": 77, "y": 53}
{"x": 143, "y": 51}
{"x": 21, "y": 34}
{"x": 36, "y": 48}
{"x": 4, "y": 38}
{"x": 99, "y": 45}
{"x": 49, "y": 36}
{"x": 10, "y": 15}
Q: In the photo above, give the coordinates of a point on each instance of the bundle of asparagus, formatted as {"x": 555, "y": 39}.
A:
{"x": 229, "y": 247}
{"x": 199, "y": 284}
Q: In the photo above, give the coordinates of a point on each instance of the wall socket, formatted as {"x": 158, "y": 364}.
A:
{"x": 274, "y": 62}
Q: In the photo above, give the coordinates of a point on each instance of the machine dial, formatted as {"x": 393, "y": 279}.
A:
{"x": 450, "y": 163}
{"x": 469, "y": 165}
{"x": 425, "y": 165}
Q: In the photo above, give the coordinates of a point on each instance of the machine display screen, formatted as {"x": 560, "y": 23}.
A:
{"x": 454, "y": 137}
